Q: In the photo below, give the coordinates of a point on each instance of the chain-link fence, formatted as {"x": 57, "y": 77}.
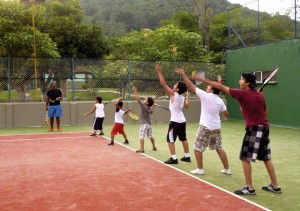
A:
{"x": 248, "y": 26}
{"x": 84, "y": 79}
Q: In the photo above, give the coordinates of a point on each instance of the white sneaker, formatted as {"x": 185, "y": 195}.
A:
{"x": 226, "y": 171}
{"x": 197, "y": 171}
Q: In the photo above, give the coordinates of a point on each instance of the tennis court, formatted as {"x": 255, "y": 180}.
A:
{"x": 72, "y": 171}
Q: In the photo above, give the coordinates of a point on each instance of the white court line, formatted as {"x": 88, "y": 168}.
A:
{"x": 197, "y": 178}
{"x": 170, "y": 166}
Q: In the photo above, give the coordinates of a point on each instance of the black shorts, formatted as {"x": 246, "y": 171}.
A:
{"x": 256, "y": 144}
{"x": 97, "y": 125}
{"x": 176, "y": 129}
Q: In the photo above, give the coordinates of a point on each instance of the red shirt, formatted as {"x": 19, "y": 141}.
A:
{"x": 253, "y": 106}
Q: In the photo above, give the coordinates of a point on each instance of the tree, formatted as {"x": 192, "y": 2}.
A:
{"x": 165, "y": 43}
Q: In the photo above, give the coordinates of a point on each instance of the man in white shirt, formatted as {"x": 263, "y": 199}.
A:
{"x": 209, "y": 131}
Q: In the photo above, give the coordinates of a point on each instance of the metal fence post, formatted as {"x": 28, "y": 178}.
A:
{"x": 129, "y": 78}
{"x": 258, "y": 24}
{"x": 228, "y": 28}
{"x": 73, "y": 77}
{"x": 296, "y": 29}
{"x": 8, "y": 79}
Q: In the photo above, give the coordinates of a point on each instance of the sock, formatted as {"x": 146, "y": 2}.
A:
{"x": 186, "y": 155}
{"x": 174, "y": 157}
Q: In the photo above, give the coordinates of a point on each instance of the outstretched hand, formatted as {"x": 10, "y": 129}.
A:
{"x": 157, "y": 67}
{"x": 180, "y": 71}
{"x": 134, "y": 88}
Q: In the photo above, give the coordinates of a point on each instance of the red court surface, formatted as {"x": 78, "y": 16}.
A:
{"x": 72, "y": 171}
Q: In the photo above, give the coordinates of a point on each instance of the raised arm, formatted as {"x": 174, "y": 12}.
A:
{"x": 162, "y": 80}
{"x": 187, "y": 100}
{"x": 212, "y": 83}
{"x": 187, "y": 81}
{"x": 136, "y": 95}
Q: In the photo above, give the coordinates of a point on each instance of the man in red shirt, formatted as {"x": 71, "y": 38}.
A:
{"x": 256, "y": 142}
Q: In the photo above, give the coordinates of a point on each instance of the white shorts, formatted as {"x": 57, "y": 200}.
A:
{"x": 145, "y": 129}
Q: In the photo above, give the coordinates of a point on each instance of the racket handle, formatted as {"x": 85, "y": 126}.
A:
{"x": 261, "y": 89}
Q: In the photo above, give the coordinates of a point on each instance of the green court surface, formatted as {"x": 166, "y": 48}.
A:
{"x": 285, "y": 145}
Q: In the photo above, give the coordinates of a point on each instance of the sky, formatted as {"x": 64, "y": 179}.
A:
{"x": 269, "y": 6}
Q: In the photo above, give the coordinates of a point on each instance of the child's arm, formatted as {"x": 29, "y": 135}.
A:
{"x": 187, "y": 100}
{"x": 162, "y": 80}
{"x": 127, "y": 111}
{"x": 90, "y": 112}
{"x": 136, "y": 95}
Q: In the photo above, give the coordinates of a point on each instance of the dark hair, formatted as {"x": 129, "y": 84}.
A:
{"x": 182, "y": 87}
{"x": 150, "y": 101}
{"x": 99, "y": 99}
{"x": 120, "y": 104}
{"x": 250, "y": 78}
{"x": 216, "y": 91}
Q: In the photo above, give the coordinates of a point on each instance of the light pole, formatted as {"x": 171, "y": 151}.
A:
{"x": 33, "y": 10}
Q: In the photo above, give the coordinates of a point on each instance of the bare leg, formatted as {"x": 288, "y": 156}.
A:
{"x": 247, "y": 173}
{"x": 51, "y": 122}
{"x": 153, "y": 143}
{"x": 125, "y": 137}
{"x": 270, "y": 168}
{"x": 223, "y": 157}
{"x": 171, "y": 148}
{"x": 142, "y": 144}
{"x": 58, "y": 122}
{"x": 199, "y": 159}
{"x": 185, "y": 145}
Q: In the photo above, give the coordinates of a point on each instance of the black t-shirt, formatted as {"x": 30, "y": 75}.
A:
{"x": 53, "y": 94}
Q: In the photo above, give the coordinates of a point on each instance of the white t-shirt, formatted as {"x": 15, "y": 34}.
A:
{"x": 119, "y": 116}
{"x": 211, "y": 106}
{"x": 99, "y": 110}
{"x": 176, "y": 109}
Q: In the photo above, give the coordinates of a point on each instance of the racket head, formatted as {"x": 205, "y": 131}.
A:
{"x": 270, "y": 76}
{"x": 112, "y": 101}
{"x": 219, "y": 79}
{"x": 161, "y": 106}
{"x": 133, "y": 116}
{"x": 47, "y": 119}
{"x": 200, "y": 73}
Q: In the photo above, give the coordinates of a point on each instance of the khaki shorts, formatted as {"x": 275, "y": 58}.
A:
{"x": 206, "y": 137}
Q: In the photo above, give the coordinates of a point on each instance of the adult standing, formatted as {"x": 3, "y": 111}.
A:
{"x": 256, "y": 142}
{"x": 54, "y": 96}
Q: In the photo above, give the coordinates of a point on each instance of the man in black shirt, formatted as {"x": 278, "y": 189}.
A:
{"x": 54, "y": 96}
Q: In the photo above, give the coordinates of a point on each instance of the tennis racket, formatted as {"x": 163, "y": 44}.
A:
{"x": 112, "y": 101}
{"x": 219, "y": 79}
{"x": 47, "y": 119}
{"x": 162, "y": 107}
{"x": 201, "y": 73}
{"x": 268, "y": 78}
{"x": 133, "y": 116}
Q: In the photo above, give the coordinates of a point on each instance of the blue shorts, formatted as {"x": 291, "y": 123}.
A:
{"x": 54, "y": 111}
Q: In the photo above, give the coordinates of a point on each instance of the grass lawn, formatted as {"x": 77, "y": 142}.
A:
{"x": 284, "y": 143}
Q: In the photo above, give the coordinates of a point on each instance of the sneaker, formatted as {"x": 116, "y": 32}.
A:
{"x": 126, "y": 142}
{"x": 140, "y": 151}
{"x": 245, "y": 191}
{"x": 50, "y": 130}
{"x": 93, "y": 134}
{"x": 101, "y": 134}
{"x": 110, "y": 143}
{"x": 186, "y": 159}
{"x": 58, "y": 130}
{"x": 171, "y": 161}
{"x": 154, "y": 149}
{"x": 198, "y": 171}
{"x": 272, "y": 189}
{"x": 226, "y": 171}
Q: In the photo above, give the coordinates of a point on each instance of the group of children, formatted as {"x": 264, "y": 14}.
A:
{"x": 256, "y": 143}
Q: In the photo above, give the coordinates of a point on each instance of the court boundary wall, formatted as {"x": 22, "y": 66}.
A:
{"x": 33, "y": 114}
